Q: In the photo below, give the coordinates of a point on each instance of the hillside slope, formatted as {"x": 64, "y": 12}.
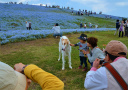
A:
{"x": 14, "y": 16}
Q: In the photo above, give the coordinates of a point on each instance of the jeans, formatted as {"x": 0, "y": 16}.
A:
{"x": 83, "y": 60}
{"x": 122, "y": 33}
{"x": 57, "y": 34}
{"x": 90, "y": 63}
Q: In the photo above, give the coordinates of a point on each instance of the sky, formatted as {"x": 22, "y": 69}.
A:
{"x": 110, "y": 7}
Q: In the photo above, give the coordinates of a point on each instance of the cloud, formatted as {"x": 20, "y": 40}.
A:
{"x": 122, "y": 3}
{"x": 95, "y": 5}
{"x": 39, "y": 4}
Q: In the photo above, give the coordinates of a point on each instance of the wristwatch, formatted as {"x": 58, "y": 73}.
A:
{"x": 23, "y": 69}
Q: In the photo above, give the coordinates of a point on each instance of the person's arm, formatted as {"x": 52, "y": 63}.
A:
{"x": 46, "y": 80}
{"x": 75, "y": 44}
{"x": 95, "y": 55}
{"x": 96, "y": 79}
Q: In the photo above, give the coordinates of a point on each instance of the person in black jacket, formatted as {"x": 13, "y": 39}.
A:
{"x": 117, "y": 26}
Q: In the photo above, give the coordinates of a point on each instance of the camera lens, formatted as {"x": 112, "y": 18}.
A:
{"x": 101, "y": 61}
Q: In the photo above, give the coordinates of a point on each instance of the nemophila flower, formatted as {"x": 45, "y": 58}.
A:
{"x": 17, "y": 35}
{"x": 13, "y": 17}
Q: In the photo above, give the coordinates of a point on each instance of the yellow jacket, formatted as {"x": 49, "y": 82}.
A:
{"x": 46, "y": 80}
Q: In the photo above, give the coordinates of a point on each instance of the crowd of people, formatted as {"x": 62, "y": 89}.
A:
{"x": 90, "y": 25}
{"x": 122, "y": 28}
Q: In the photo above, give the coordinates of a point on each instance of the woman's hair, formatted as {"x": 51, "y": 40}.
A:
{"x": 93, "y": 41}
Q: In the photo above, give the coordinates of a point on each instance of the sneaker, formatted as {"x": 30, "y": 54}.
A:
{"x": 85, "y": 69}
{"x": 80, "y": 67}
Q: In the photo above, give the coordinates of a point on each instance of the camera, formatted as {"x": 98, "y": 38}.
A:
{"x": 101, "y": 61}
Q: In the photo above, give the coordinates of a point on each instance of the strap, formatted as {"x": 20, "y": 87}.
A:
{"x": 117, "y": 76}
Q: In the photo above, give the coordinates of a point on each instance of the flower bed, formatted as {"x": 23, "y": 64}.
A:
{"x": 24, "y": 35}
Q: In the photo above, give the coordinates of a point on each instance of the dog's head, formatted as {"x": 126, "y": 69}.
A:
{"x": 65, "y": 43}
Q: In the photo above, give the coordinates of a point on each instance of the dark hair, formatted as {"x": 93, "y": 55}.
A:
{"x": 112, "y": 57}
{"x": 93, "y": 41}
{"x": 57, "y": 24}
{"x": 117, "y": 20}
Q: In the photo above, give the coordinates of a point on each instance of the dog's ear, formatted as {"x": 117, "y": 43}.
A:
{"x": 62, "y": 39}
{"x": 67, "y": 42}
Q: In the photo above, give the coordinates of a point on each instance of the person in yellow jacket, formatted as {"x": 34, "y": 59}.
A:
{"x": 20, "y": 77}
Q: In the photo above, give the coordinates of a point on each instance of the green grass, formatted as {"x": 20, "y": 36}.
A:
{"x": 101, "y": 22}
{"x": 44, "y": 53}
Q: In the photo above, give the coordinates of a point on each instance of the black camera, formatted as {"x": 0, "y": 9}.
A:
{"x": 101, "y": 61}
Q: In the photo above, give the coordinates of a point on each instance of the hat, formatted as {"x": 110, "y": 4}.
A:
{"x": 10, "y": 79}
{"x": 83, "y": 37}
{"x": 116, "y": 48}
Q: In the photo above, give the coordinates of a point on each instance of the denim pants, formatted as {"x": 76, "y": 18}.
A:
{"x": 120, "y": 33}
{"x": 90, "y": 63}
{"x": 83, "y": 60}
{"x": 57, "y": 34}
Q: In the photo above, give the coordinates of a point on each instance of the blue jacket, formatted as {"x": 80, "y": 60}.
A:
{"x": 96, "y": 53}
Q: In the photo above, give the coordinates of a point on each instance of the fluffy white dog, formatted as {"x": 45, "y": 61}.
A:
{"x": 65, "y": 49}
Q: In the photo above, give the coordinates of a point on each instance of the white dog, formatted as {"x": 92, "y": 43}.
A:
{"x": 65, "y": 49}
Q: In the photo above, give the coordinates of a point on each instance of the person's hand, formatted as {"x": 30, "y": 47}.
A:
{"x": 96, "y": 63}
{"x": 84, "y": 52}
{"x": 71, "y": 44}
{"x": 18, "y": 67}
{"x": 87, "y": 52}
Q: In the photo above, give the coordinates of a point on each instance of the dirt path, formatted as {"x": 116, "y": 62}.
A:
{"x": 12, "y": 47}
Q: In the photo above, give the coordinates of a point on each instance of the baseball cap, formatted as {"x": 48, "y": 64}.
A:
{"x": 11, "y": 79}
{"x": 116, "y": 48}
{"x": 83, "y": 37}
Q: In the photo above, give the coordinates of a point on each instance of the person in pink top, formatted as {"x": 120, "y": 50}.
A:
{"x": 115, "y": 61}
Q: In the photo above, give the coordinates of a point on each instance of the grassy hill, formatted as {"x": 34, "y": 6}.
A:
{"x": 14, "y": 16}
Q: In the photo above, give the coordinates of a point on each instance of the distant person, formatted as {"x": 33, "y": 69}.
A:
{"x": 90, "y": 25}
{"x": 30, "y": 28}
{"x": 85, "y": 26}
{"x": 88, "y": 13}
{"x": 81, "y": 25}
{"x": 117, "y": 27}
{"x": 27, "y": 25}
{"x": 56, "y": 29}
{"x": 96, "y": 26}
{"x": 121, "y": 30}
{"x": 126, "y": 28}
{"x": 72, "y": 12}
{"x": 20, "y": 78}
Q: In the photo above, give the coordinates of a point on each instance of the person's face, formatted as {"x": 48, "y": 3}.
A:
{"x": 122, "y": 21}
{"x": 89, "y": 45}
{"x": 107, "y": 59}
{"x": 81, "y": 41}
